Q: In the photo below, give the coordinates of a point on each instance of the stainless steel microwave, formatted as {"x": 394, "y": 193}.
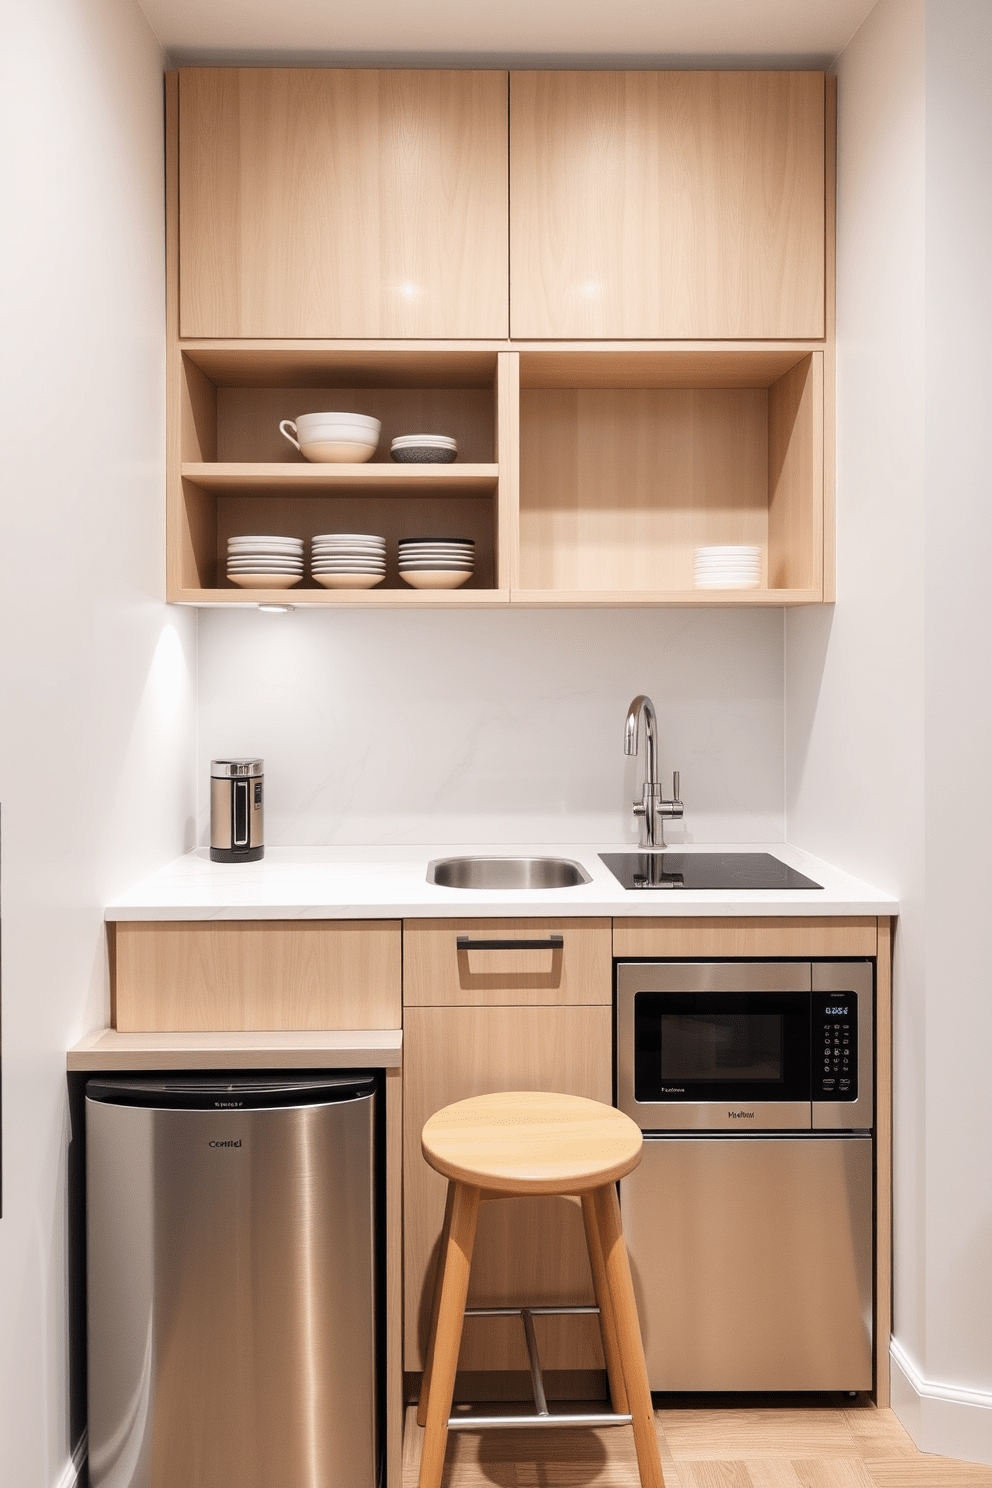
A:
{"x": 745, "y": 1045}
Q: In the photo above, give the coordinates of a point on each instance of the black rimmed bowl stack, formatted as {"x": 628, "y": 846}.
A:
{"x": 436, "y": 562}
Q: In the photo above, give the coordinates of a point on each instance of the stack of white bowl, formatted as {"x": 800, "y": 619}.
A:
{"x": 348, "y": 560}
{"x": 424, "y": 449}
{"x": 265, "y": 562}
{"x": 728, "y": 567}
{"x": 333, "y": 438}
{"x": 437, "y": 562}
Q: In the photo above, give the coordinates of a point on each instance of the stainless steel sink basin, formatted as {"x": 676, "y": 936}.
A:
{"x": 506, "y": 873}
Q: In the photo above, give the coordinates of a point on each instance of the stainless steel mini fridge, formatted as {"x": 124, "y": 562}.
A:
{"x": 231, "y": 1282}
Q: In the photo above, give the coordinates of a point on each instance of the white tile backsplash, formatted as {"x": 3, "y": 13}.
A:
{"x": 495, "y": 726}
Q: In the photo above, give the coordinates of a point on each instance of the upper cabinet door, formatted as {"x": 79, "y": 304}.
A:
{"x": 667, "y": 204}
{"x": 342, "y": 203}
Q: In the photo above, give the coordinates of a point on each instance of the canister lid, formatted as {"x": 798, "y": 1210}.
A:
{"x": 231, "y": 769}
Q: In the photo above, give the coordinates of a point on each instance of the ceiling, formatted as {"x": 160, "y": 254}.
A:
{"x": 522, "y": 32}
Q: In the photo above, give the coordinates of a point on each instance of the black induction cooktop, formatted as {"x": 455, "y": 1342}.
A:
{"x": 704, "y": 870}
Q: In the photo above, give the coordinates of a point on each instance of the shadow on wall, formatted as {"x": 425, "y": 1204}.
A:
{"x": 807, "y": 635}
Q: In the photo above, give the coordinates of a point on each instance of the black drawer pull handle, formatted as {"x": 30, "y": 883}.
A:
{"x": 552, "y": 943}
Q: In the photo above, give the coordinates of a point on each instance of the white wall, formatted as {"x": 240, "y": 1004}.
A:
{"x": 958, "y": 531}
{"x": 888, "y": 700}
{"x": 494, "y": 726}
{"x": 96, "y": 676}
{"x": 854, "y": 688}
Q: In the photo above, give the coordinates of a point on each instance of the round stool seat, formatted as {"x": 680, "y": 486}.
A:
{"x": 531, "y": 1142}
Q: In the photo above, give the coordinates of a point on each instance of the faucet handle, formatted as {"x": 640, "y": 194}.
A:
{"x": 675, "y": 785}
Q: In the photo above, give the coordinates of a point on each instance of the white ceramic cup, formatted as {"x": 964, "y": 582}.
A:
{"x": 333, "y": 438}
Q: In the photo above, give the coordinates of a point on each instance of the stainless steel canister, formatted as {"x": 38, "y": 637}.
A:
{"x": 236, "y": 812}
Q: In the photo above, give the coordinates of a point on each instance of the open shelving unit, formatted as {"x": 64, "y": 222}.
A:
{"x": 586, "y": 474}
{"x": 234, "y": 472}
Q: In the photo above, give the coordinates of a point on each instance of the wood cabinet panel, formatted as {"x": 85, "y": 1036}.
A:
{"x": 190, "y": 976}
{"x": 342, "y": 202}
{"x": 526, "y": 1249}
{"x": 667, "y": 204}
{"x": 848, "y": 935}
{"x": 437, "y": 973}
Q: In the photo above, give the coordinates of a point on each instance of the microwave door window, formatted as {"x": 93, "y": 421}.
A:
{"x": 722, "y": 1047}
{"x": 715, "y": 1046}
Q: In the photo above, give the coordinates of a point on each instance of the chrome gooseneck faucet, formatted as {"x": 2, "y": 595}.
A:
{"x": 652, "y": 808}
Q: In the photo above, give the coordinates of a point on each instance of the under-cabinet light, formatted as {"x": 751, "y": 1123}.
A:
{"x": 276, "y": 609}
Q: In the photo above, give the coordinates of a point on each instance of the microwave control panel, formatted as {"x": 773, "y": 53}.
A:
{"x": 834, "y": 1051}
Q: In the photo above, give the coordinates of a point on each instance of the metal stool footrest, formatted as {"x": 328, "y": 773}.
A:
{"x": 541, "y": 1416}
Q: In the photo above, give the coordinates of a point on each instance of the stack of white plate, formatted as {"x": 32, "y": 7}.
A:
{"x": 265, "y": 562}
{"x": 348, "y": 560}
{"x": 424, "y": 449}
{"x": 729, "y": 567}
{"x": 437, "y": 562}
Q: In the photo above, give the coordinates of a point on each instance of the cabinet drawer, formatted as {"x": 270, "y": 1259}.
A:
{"x": 437, "y": 972}
{"x": 187, "y": 976}
{"x": 794, "y": 935}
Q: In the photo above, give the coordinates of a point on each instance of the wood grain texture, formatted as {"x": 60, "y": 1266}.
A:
{"x": 848, "y": 935}
{"x": 676, "y": 365}
{"x": 830, "y": 346}
{"x": 607, "y": 1317}
{"x": 278, "y": 479}
{"x": 177, "y": 409}
{"x": 508, "y": 455}
{"x": 795, "y": 477}
{"x": 315, "y": 363}
{"x": 448, "y": 1320}
{"x": 737, "y": 1445}
{"x": 531, "y": 1142}
{"x": 198, "y": 413}
{"x": 109, "y": 1049}
{"x": 343, "y": 202}
{"x": 883, "y": 1161}
{"x": 189, "y": 976}
{"x": 606, "y": 1212}
{"x": 526, "y": 1249}
{"x": 619, "y": 486}
{"x": 436, "y": 973}
{"x": 666, "y": 204}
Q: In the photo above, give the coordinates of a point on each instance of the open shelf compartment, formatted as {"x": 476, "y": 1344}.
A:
{"x": 630, "y": 461}
{"x": 233, "y": 471}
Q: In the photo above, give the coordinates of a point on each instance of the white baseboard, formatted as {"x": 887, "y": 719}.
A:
{"x": 72, "y": 1472}
{"x": 943, "y": 1419}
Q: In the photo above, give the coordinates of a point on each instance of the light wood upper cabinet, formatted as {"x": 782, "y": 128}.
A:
{"x": 667, "y": 204}
{"x": 342, "y": 203}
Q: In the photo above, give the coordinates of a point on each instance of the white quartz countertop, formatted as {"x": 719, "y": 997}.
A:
{"x": 391, "y": 882}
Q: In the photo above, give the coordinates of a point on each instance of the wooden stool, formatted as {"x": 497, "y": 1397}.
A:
{"x": 495, "y": 1146}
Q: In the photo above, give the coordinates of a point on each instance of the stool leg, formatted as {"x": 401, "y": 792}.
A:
{"x": 607, "y": 1322}
{"x": 448, "y": 1334}
{"x": 607, "y": 1214}
{"x": 442, "y": 1250}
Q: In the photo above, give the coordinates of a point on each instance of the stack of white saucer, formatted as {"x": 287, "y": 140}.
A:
{"x": 436, "y": 563}
{"x": 729, "y": 567}
{"x": 424, "y": 449}
{"x": 265, "y": 562}
{"x": 348, "y": 560}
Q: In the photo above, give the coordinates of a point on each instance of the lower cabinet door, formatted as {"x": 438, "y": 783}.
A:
{"x": 527, "y": 1250}
{"x": 752, "y": 1261}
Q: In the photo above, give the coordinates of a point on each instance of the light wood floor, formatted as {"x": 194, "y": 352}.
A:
{"x": 749, "y": 1445}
